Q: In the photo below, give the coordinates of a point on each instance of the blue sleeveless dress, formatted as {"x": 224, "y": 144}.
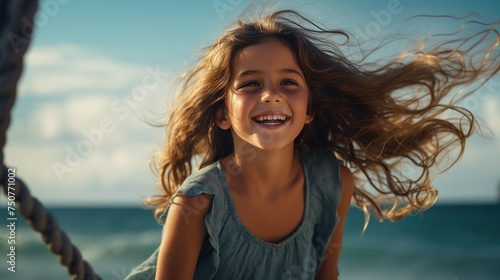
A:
{"x": 231, "y": 251}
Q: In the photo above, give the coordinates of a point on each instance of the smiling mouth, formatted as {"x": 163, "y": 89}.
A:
{"x": 271, "y": 119}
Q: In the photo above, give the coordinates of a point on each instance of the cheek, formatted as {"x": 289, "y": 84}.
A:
{"x": 230, "y": 104}
{"x": 238, "y": 105}
{"x": 300, "y": 101}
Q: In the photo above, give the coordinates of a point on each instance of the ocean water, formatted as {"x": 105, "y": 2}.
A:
{"x": 447, "y": 242}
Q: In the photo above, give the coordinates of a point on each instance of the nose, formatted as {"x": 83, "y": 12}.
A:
{"x": 271, "y": 94}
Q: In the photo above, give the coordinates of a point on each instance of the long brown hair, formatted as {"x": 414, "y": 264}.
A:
{"x": 390, "y": 122}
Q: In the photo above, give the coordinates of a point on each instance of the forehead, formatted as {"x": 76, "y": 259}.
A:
{"x": 271, "y": 54}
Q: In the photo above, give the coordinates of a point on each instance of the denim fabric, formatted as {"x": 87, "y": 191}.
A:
{"x": 231, "y": 251}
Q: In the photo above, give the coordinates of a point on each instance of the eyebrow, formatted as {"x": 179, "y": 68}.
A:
{"x": 285, "y": 71}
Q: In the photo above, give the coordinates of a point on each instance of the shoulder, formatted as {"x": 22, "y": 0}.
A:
{"x": 187, "y": 212}
{"x": 325, "y": 166}
{"x": 204, "y": 184}
{"x": 327, "y": 160}
{"x": 332, "y": 183}
{"x": 348, "y": 183}
{"x": 348, "y": 180}
{"x": 183, "y": 208}
{"x": 321, "y": 161}
{"x": 208, "y": 180}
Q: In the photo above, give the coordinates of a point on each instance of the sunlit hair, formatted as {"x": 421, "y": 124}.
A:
{"x": 394, "y": 123}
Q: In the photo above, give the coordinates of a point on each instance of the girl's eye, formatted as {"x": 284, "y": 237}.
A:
{"x": 288, "y": 82}
{"x": 250, "y": 84}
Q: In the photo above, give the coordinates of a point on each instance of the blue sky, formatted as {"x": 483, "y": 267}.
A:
{"x": 96, "y": 70}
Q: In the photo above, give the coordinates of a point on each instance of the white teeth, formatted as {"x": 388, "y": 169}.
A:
{"x": 270, "y": 118}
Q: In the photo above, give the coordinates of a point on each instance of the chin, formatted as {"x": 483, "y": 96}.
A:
{"x": 274, "y": 146}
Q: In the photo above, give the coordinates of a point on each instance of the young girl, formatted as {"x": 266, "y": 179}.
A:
{"x": 275, "y": 111}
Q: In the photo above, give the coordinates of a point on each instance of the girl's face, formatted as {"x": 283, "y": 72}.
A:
{"x": 267, "y": 97}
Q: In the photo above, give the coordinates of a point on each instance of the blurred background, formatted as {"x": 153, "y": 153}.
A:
{"x": 98, "y": 73}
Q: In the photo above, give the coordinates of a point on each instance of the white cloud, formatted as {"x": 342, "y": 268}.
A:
{"x": 48, "y": 121}
{"x": 476, "y": 176}
{"x": 65, "y": 68}
{"x": 78, "y": 89}
{"x": 116, "y": 170}
{"x": 85, "y": 111}
{"x": 72, "y": 115}
{"x": 492, "y": 114}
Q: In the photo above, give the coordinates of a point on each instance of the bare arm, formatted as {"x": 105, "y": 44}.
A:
{"x": 183, "y": 235}
{"x": 329, "y": 266}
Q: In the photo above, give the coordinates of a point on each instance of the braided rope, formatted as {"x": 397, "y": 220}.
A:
{"x": 56, "y": 239}
{"x": 14, "y": 41}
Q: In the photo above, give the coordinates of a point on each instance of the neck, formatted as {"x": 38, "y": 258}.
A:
{"x": 263, "y": 172}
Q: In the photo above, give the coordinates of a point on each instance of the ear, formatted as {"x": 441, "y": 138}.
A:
{"x": 221, "y": 119}
{"x": 309, "y": 118}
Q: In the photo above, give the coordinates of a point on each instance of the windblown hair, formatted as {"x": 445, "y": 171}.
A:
{"x": 392, "y": 122}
